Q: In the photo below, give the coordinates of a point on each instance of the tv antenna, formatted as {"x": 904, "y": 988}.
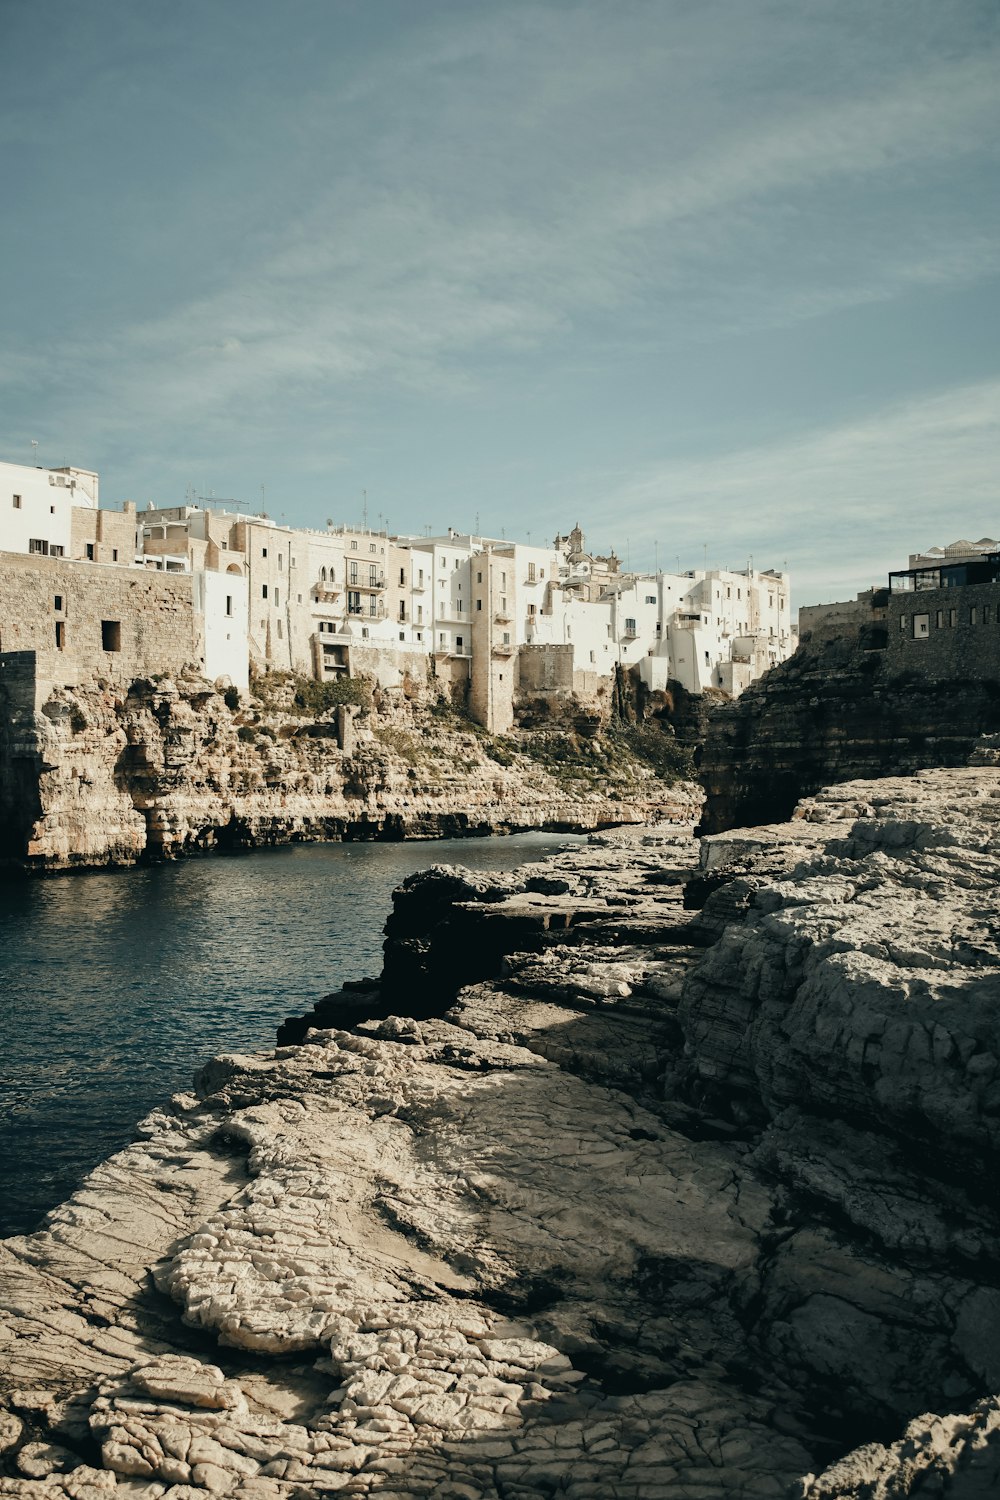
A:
{"x": 34, "y": 451}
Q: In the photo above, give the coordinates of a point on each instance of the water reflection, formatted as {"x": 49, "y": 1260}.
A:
{"x": 117, "y": 986}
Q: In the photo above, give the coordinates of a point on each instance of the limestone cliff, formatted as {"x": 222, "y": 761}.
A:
{"x": 97, "y": 775}
{"x": 657, "y": 1195}
{"x": 835, "y": 711}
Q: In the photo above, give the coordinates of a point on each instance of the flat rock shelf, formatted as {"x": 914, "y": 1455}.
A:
{"x": 656, "y": 1169}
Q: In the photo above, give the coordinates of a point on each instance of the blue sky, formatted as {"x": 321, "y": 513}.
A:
{"x": 715, "y": 275}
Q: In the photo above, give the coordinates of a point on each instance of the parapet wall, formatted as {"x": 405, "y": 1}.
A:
{"x": 84, "y": 620}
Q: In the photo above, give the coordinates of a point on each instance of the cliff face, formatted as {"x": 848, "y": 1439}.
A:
{"x": 834, "y": 712}
{"x": 646, "y": 1198}
{"x": 98, "y": 776}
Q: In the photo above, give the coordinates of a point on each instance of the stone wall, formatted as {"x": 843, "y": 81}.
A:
{"x": 84, "y": 619}
{"x": 545, "y": 669}
{"x": 962, "y": 636}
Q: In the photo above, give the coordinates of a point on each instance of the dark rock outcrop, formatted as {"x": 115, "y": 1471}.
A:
{"x": 837, "y": 710}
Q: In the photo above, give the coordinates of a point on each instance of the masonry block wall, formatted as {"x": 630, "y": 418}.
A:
{"x": 946, "y": 634}
{"x": 84, "y": 620}
{"x": 545, "y": 669}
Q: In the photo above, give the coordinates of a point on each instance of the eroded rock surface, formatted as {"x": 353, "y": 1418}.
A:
{"x": 634, "y": 1198}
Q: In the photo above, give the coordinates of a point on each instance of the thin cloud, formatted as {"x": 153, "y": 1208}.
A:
{"x": 841, "y": 504}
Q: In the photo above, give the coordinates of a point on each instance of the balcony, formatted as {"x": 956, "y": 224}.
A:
{"x": 503, "y": 648}
{"x": 367, "y": 585}
{"x": 326, "y": 593}
{"x": 363, "y": 612}
{"x": 502, "y": 617}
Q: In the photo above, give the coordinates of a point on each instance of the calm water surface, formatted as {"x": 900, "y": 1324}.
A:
{"x": 116, "y": 987}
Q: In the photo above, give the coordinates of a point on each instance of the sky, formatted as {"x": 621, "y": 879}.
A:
{"x": 717, "y": 279}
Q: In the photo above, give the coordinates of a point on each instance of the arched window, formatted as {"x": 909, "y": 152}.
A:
{"x": 322, "y": 574}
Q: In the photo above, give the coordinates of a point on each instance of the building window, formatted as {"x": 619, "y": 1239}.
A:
{"x": 277, "y": 601}
{"x": 263, "y": 591}
{"x": 479, "y": 603}
{"x": 263, "y": 551}
{"x": 354, "y": 546}
{"x": 479, "y": 577}
{"x": 593, "y": 657}
{"x": 503, "y": 580}
{"x": 52, "y": 510}
{"x": 373, "y": 575}
{"x": 531, "y": 572}
{"x": 939, "y": 621}
{"x": 420, "y": 635}
{"x": 459, "y": 641}
{"x": 402, "y": 576}
{"x": 57, "y": 603}
{"x": 440, "y": 638}
{"x": 279, "y": 630}
{"x": 372, "y": 605}
{"x": 280, "y": 562}
{"x": 650, "y": 598}
{"x": 953, "y": 617}
{"x": 60, "y": 635}
{"x": 114, "y": 554}
{"x": 353, "y": 602}
{"x": 402, "y": 609}
{"x": 532, "y": 610}
{"x": 706, "y": 658}
{"x": 972, "y": 615}
{"x": 921, "y": 627}
{"x": 111, "y": 635}
{"x": 229, "y": 604}
{"x": 90, "y": 552}
{"x": 353, "y": 572}
{"x": 36, "y": 544}
{"x": 506, "y": 637}
{"x": 17, "y": 502}
{"x": 372, "y": 547}
{"x": 56, "y": 551}
{"x": 904, "y": 621}
{"x": 364, "y": 632}
{"x": 629, "y": 626}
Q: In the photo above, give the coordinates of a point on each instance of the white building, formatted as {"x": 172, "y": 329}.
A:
{"x": 36, "y": 507}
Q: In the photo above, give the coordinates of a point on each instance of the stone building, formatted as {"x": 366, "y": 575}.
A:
{"x": 943, "y": 615}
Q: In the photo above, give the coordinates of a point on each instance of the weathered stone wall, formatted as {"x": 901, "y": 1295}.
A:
{"x": 963, "y": 633}
{"x": 545, "y": 669}
{"x": 153, "y": 612}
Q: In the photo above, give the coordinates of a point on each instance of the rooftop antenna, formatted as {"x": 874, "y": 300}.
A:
{"x": 364, "y": 509}
{"x": 34, "y": 452}
{"x": 478, "y": 532}
{"x": 656, "y": 557}
{"x": 262, "y": 497}
{"x": 704, "y": 549}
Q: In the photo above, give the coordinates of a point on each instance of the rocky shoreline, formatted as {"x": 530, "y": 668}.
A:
{"x": 96, "y": 776}
{"x": 656, "y": 1169}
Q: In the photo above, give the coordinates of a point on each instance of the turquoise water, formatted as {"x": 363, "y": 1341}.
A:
{"x": 116, "y": 987}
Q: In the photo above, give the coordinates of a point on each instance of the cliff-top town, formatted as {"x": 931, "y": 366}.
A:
{"x": 136, "y": 593}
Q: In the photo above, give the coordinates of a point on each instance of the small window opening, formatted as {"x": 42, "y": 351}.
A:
{"x": 111, "y": 635}
{"x": 60, "y": 635}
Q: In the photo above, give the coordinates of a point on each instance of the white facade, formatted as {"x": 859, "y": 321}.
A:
{"x": 36, "y": 507}
{"x": 221, "y": 600}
